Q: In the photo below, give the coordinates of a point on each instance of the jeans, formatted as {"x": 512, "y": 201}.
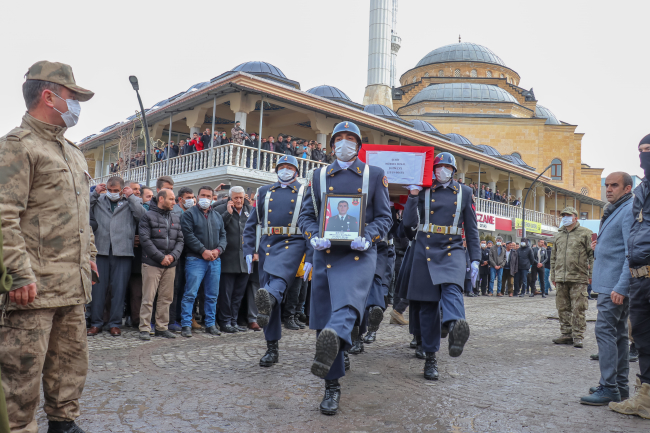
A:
{"x": 547, "y": 281}
{"x": 495, "y": 273}
{"x": 611, "y": 335}
{"x": 196, "y": 271}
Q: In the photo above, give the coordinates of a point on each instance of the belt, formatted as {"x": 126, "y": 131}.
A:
{"x": 281, "y": 231}
{"x": 642, "y": 272}
{"x": 443, "y": 230}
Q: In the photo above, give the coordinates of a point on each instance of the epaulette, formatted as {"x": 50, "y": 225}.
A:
{"x": 18, "y": 134}
{"x": 72, "y": 143}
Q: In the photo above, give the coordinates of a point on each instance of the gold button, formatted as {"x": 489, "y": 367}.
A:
{"x": 267, "y": 254}
{"x": 270, "y": 210}
{"x": 454, "y": 192}
{"x": 291, "y": 201}
{"x": 359, "y": 190}
{"x": 428, "y": 236}
{"x": 331, "y": 175}
{"x": 293, "y": 191}
{"x": 454, "y": 215}
{"x": 287, "y": 247}
{"x": 432, "y": 212}
{"x": 356, "y": 257}
{"x": 432, "y": 200}
{"x": 268, "y": 246}
{"x": 269, "y": 222}
{"x": 286, "y": 242}
{"x": 290, "y": 212}
{"x": 270, "y": 199}
{"x": 448, "y": 246}
{"x": 455, "y": 203}
{"x": 289, "y": 225}
{"x": 449, "y": 254}
{"x": 450, "y": 239}
{"x": 331, "y": 188}
{"x": 428, "y": 259}
{"x": 329, "y": 266}
{"x": 327, "y": 251}
{"x": 427, "y": 248}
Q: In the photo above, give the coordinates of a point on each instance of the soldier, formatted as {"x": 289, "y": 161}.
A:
{"x": 342, "y": 222}
{"x": 440, "y": 214}
{"x": 280, "y": 248}
{"x": 49, "y": 251}
{"x": 342, "y": 274}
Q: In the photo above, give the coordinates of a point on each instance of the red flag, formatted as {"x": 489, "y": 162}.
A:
{"x": 328, "y": 213}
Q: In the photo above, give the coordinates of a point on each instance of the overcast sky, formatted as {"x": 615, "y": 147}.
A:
{"x": 588, "y": 61}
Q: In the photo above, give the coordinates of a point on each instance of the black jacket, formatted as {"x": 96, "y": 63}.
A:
{"x": 233, "y": 259}
{"x": 545, "y": 256}
{"x": 549, "y": 250}
{"x": 485, "y": 257}
{"x": 638, "y": 244}
{"x": 202, "y": 233}
{"x": 206, "y": 139}
{"x": 173, "y": 150}
{"x": 160, "y": 235}
{"x": 526, "y": 258}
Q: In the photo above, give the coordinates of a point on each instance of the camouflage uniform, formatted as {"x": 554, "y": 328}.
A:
{"x": 44, "y": 202}
{"x": 5, "y": 286}
{"x": 237, "y": 135}
{"x": 572, "y": 262}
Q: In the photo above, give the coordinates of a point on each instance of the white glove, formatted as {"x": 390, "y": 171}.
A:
{"x": 249, "y": 262}
{"x": 320, "y": 244}
{"x": 474, "y": 273}
{"x": 360, "y": 244}
{"x": 306, "y": 268}
{"x": 410, "y": 187}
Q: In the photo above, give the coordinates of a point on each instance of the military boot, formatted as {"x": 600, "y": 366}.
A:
{"x": 564, "y": 339}
{"x": 458, "y": 336}
{"x": 444, "y": 330}
{"x": 370, "y": 337}
{"x": 330, "y": 403}
{"x": 375, "y": 316}
{"x": 265, "y": 303}
{"x": 327, "y": 348}
{"x": 414, "y": 343}
{"x": 346, "y": 360}
{"x": 431, "y": 366}
{"x": 63, "y": 427}
{"x": 357, "y": 341}
{"x": 297, "y": 321}
{"x": 272, "y": 354}
{"x": 398, "y": 318}
{"x": 419, "y": 353}
{"x": 291, "y": 324}
{"x": 638, "y": 405}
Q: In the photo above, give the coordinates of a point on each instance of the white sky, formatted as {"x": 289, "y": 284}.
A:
{"x": 586, "y": 60}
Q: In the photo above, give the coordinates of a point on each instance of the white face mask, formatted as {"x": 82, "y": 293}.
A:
{"x": 523, "y": 244}
{"x": 345, "y": 150}
{"x": 70, "y": 117}
{"x": 567, "y": 220}
{"x": 499, "y": 244}
{"x": 483, "y": 246}
{"x": 286, "y": 174}
{"x": 443, "y": 174}
{"x": 189, "y": 203}
{"x": 204, "y": 203}
{"x": 113, "y": 196}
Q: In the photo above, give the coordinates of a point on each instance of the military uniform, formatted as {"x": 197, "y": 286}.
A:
{"x": 346, "y": 224}
{"x": 5, "y": 286}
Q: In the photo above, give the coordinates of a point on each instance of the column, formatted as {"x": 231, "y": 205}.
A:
{"x": 194, "y": 129}
{"x": 493, "y": 187}
{"x": 541, "y": 200}
{"x": 519, "y": 194}
{"x": 241, "y": 116}
{"x": 322, "y": 139}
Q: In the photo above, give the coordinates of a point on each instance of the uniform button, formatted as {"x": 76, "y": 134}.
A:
{"x": 286, "y": 242}
{"x": 269, "y": 222}
{"x": 428, "y": 259}
{"x": 270, "y": 199}
{"x": 327, "y": 251}
{"x": 359, "y": 190}
{"x": 432, "y": 200}
{"x": 331, "y": 175}
{"x": 270, "y": 210}
{"x": 428, "y": 236}
{"x": 331, "y": 188}
{"x": 287, "y": 247}
{"x": 432, "y": 212}
{"x": 356, "y": 257}
{"x": 455, "y": 202}
{"x": 291, "y": 201}
{"x": 78, "y": 193}
{"x": 329, "y": 266}
{"x": 450, "y": 239}
{"x": 427, "y": 248}
{"x": 291, "y": 212}
{"x": 454, "y": 215}
{"x": 289, "y": 225}
{"x": 293, "y": 192}
{"x": 268, "y": 246}
{"x": 81, "y": 230}
{"x": 449, "y": 254}
{"x": 454, "y": 192}
{"x": 448, "y": 246}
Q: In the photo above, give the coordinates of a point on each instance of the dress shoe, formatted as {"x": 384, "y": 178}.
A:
{"x": 144, "y": 335}
{"x": 633, "y": 356}
{"x": 254, "y": 326}
{"x": 543, "y": 295}
{"x": 375, "y": 316}
{"x": 175, "y": 327}
{"x": 601, "y": 397}
{"x": 499, "y": 295}
{"x": 564, "y": 339}
{"x": 419, "y": 353}
{"x": 330, "y": 403}
{"x": 115, "y": 331}
{"x": 291, "y": 324}
{"x": 523, "y": 295}
{"x": 431, "y": 366}
{"x": 228, "y": 329}
{"x": 265, "y": 303}
{"x": 186, "y": 332}
{"x": 94, "y": 330}
{"x": 128, "y": 322}
{"x": 370, "y": 337}
{"x": 458, "y": 336}
{"x": 398, "y": 318}
{"x": 195, "y": 324}
{"x": 532, "y": 295}
{"x": 63, "y": 427}
{"x": 240, "y": 328}
{"x": 327, "y": 348}
{"x": 303, "y": 318}
{"x": 272, "y": 354}
{"x": 624, "y": 392}
{"x": 212, "y": 330}
{"x": 166, "y": 334}
{"x": 510, "y": 295}
{"x": 346, "y": 361}
{"x": 414, "y": 343}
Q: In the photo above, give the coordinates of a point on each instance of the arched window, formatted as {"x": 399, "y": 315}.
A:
{"x": 457, "y": 73}
{"x": 488, "y": 74}
{"x": 556, "y": 169}
{"x": 415, "y": 79}
{"x": 426, "y": 74}
{"x": 441, "y": 73}
{"x": 473, "y": 74}
{"x": 516, "y": 155}
{"x": 502, "y": 76}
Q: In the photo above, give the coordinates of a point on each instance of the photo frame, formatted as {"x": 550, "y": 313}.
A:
{"x": 342, "y": 217}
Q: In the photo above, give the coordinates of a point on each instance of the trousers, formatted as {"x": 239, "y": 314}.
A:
{"x": 498, "y": 273}
{"x": 196, "y": 271}
{"x": 425, "y": 317}
{"x": 571, "y": 302}
{"x": 508, "y": 282}
{"x": 538, "y": 273}
{"x": 50, "y": 343}
{"x": 521, "y": 281}
{"x": 231, "y": 292}
{"x": 179, "y": 289}
{"x": 640, "y": 321}
{"x": 341, "y": 321}
{"x": 613, "y": 348}
{"x": 160, "y": 282}
{"x": 114, "y": 271}
{"x": 276, "y": 287}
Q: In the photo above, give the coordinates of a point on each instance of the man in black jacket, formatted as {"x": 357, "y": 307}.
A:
{"x": 540, "y": 259}
{"x": 234, "y": 271}
{"x": 484, "y": 267}
{"x": 205, "y": 239}
{"x": 162, "y": 244}
{"x": 206, "y": 138}
{"x": 526, "y": 259}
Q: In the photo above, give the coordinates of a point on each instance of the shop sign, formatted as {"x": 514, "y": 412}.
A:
{"x": 486, "y": 221}
{"x": 531, "y": 226}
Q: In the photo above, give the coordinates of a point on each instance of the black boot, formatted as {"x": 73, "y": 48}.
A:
{"x": 265, "y": 303}
{"x": 272, "y": 354}
{"x": 328, "y": 345}
{"x": 458, "y": 336}
{"x": 330, "y": 403}
{"x": 633, "y": 355}
{"x": 414, "y": 343}
{"x": 375, "y": 316}
{"x": 444, "y": 330}
{"x": 419, "y": 353}
{"x": 357, "y": 341}
{"x": 431, "y": 366}
{"x": 370, "y": 337}
{"x": 63, "y": 427}
{"x": 291, "y": 324}
{"x": 297, "y": 321}
{"x": 346, "y": 360}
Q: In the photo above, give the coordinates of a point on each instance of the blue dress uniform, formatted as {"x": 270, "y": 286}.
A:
{"x": 281, "y": 246}
{"x": 439, "y": 264}
{"x": 342, "y": 277}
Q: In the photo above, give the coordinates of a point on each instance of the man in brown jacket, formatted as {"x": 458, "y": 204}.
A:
{"x": 49, "y": 252}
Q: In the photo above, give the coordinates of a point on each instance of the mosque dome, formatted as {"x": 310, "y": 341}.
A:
{"x": 262, "y": 69}
{"x": 423, "y": 126}
{"x": 461, "y": 52}
{"x": 489, "y": 150}
{"x": 335, "y": 94}
{"x": 459, "y": 139}
{"x": 381, "y": 110}
{"x": 545, "y": 113}
{"x": 463, "y": 92}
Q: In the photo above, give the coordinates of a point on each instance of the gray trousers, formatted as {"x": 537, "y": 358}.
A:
{"x": 252, "y": 287}
{"x": 612, "y": 338}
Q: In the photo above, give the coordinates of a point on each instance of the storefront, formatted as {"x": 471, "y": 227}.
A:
{"x": 491, "y": 226}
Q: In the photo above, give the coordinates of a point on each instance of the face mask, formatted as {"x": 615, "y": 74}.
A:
{"x": 345, "y": 150}
{"x": 645, "y": 163}
{"x": 214, "y": 202}
{"x": 70, "y": 117}
{"x": 113, "y": 196}
{"x": 253, "y": 137}
{"x": 286, "y": 174}
{"x": 523, "y": 244}
{"x": 443, "y": 174}
{"x": 499, "y": 244}
{"x": 223, "y": 135}
{"x": 204, "y": 203}
{"x": 567, "y": 220}
{"x": 483, "y": 245}
{"x": 189, "y": 203}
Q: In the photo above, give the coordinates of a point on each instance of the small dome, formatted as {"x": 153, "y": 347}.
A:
{"x": 545, "y": 113}
{"x": 381, "y": 110}
{"x": 462, "y": 52}
{"x": 330, "y": 92}
{"x": 462, "y": 92}
{"x": 459, "y": 139}
{"x": 423, "y": 126}
{"x": 516, "y": 161}
{"x": 259, "y": 68}
{"x": 488, "y": 150}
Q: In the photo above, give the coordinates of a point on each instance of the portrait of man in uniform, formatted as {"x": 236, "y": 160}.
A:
{"x": 342, "y": 216}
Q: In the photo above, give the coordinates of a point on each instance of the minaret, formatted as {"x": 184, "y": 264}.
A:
{"x": 378, "y": 90}
{"x": 396, "y": 43}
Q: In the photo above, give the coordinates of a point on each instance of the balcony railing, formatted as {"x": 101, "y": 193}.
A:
{"x": 508, "y": 211}
{"x": 229, "y": 154}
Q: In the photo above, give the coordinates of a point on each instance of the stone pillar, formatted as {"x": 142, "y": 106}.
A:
{"x": 493, "y": 187}
{"x": 241, "y": 116}
{"x": 519, "y": 194}
{"x": 541, "y": 200}
{"x": 322, "y": 139}
{"x": 194, "y": 129}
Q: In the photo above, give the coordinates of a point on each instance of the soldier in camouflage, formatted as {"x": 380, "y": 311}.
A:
{"x": 49, "y": 252}
{"x": 572, "y": 262}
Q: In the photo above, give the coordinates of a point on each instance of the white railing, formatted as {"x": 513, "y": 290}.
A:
{"x": 229, "y": 154}
{"x": 507, "y": 211}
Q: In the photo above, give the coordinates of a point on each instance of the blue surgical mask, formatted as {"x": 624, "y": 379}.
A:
{"x": 285, "y": 174}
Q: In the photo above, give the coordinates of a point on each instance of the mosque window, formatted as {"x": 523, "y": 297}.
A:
{"x": 415, "y": 79}
{"x": 473, "y": 74}
{"x": 556, "y": 169}
{"x": 584, "y": 190}
{"x": 441, "y": 73}
{"x": 488, "y": 74}
{"x": 457, "y": 73}
{"x": 502, "y": 76}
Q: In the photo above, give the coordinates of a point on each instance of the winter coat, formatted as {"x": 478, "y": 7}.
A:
{"x": 496, "y": 259}
{"x": 201, "y": 233}
{"x": 526, "y": 258}
{"x": 572, "y": 260}
{"x": 638, "y": 243}
{"x": 233, "y": 259}
{"x": 160, "y": 235}
{"x": 116, "y": 229}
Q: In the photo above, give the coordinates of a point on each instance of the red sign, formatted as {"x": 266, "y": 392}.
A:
{"x": 429, "y": 156}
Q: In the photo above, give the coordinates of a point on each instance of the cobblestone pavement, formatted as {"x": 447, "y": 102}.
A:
{"x": 511, "y": 378}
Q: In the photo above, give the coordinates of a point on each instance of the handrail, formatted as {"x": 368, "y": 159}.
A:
{"x": 509, "y": 211}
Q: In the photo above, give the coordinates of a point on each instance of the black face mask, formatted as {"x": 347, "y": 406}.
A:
{"x": 645, "y": 163}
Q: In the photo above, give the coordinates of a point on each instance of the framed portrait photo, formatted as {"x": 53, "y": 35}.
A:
{"x": 343, "y": 217}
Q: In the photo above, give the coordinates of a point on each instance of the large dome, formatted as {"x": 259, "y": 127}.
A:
{"x": 463, "y": 92}
{"x": 330, "y": 92}
{"x": 545, "y": 113}
{"x": 461, "y": 52}
{"x": 423, "y": 126}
